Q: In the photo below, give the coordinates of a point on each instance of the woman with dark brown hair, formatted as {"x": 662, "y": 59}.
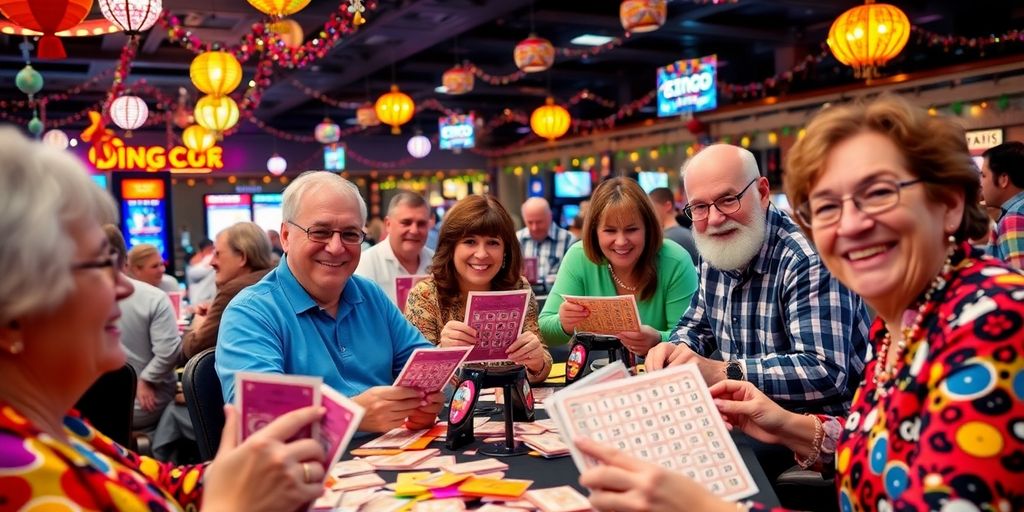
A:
{"x": 477, "y": 250}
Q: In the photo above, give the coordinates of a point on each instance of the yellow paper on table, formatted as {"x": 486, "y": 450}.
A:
{"x": 445, "y": 479}
{"x": 407, "y": 483}
{"x": 495, "y": 487}
{"x": 557, "y": 375}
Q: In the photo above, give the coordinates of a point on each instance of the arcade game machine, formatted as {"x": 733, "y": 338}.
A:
{"x": 144, "y": 201}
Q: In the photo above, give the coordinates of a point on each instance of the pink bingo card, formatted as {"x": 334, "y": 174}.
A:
{"x": 429, "y": 369}
{"x": 403, "y": 285}
{"x": 338, "y": 424}
{"x": 530, "y": 270}
{"x": 262, "y": 397}
{"x": 498, "y": 319}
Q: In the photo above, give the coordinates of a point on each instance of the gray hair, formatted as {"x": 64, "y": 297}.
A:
{"x": 410, "y": 199}
{"x": 46, "y": 196}
{"x": 249, "y": 240}
{"x": 313, "y": 180}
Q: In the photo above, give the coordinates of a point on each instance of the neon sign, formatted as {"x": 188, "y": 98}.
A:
{"x": 456, "y": 132}
{"x": 688, "y": 86}
{"x": 115, "y": 155}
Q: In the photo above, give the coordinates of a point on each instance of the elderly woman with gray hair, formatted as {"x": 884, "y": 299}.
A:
{"x": 58, "y": 335}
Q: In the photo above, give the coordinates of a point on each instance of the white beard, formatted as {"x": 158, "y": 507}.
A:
{"x": 737, "y": 251}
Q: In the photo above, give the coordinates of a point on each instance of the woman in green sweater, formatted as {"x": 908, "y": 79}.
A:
{"x": 622, "y": 253}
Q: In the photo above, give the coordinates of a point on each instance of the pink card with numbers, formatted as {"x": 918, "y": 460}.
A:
{"x": 429, "y": 369}
{"x": 262, "y": 397}
{"x": 666, "y": 418}
{"x": 403, "y": 285}
{"x": 498, "y": 319}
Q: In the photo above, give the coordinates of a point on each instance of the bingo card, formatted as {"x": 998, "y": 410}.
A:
{"x": 430, "y": 369}
{"x": 498, "y": 319}
{"x": 403, "y": 285}
{"x": 608, "y": 315}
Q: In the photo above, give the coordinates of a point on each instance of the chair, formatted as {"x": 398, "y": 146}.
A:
{"x": 204, "y": 401}
{"x": 803, "y": 489}
{"x": 109, "y": 404}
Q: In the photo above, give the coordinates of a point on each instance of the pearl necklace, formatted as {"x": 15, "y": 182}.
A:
{"x": 619, "y": 281}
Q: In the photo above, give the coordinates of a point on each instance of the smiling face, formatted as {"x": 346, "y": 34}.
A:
{"x": 407, "y": 228}
{"x": 888, "y": 258}
{"x": 477, "y": 260}
{"x": 228, "y": 262}
{"x": 151, "y": 270}
{"x": 621, "y": 237}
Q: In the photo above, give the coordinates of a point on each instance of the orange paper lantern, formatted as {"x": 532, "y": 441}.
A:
{"x": 868, "y": 36}
{"x": 366, "y": 116}
{"x": 47, "y": 17}
{"x": 642, "y": 15}
{"x": 279, "y": 8}
{"x": 534, "y": 54}
{"x": 458, "y": 80}
{"x": 289, "y": 31}
{"x": 395, "y": 108}
{"x": 550, "y": 121}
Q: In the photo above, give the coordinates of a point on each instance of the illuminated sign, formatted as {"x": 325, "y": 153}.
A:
{"x": 456, "y": 132}
{"x": 142, "y": 189}
{"x": 980, "y": 140}
{"x": 114, "y": 155}
{"x": 688, "y": 86}
{"x": 334, "y": 157}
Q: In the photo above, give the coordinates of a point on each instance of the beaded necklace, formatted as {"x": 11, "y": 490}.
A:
{"x": 619, "y": 282}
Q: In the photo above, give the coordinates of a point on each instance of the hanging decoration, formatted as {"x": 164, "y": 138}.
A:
{"x": 56, "y": 138}
{"x": 216, "y": 113}
{"x": 129, "y": 112}
{"x": 35, "y": 126}
{"x": 366, "y": 116}
{"x": 28, "y": 81}
{"x": 197, "y": 138}
{"x": 642, "y": 15}
{"x": 457, "y": 80}
{"x": 289, "y": 32}
{"x": 534, "y": 54}
{"x": 132, "y": 16}
{"x": 327, "y": 132}
{"x": 395, "y": 108}
{"x": 277, "y": 9}
{"x": 215, "y": 72}
{"x": 868, "y": 36}
{"x": 277, "y": 165}
{"x": 356, "y": 9}
{"x": 418, "y": 146}
{"x": 550, "y": 121}
{"x": 47, "y": 17}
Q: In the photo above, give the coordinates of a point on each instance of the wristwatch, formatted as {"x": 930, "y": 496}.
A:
{"x": 734, "y": 370}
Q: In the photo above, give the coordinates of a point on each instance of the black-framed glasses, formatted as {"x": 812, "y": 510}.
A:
{"x": 872, "y": 198}
{"x": 321, "y": 235}
{"x": 112, "y": 261}
{"x": 725, "y": 204}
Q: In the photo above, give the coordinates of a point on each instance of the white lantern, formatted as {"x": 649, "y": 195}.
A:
{"x": 133, "y": 16}
{"x": 57, "y": 139}
{"x": 418, "y": 146}
{"x": 277, "y": 165}
{"x": 129, "y": 112}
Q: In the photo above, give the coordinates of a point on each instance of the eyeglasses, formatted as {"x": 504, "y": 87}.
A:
{"x": 872, "y": 198}
{"x": 324, "y": 235}
{"x": 112, "y": 261}
{"x": 725, "y": 204}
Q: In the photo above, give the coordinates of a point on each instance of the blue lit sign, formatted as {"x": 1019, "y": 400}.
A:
{"x": 334, "y": 157}
{"x": 688, "y": 86}
{"x": 457, "y": 132}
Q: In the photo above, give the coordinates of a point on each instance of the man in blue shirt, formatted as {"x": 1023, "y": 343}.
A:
{"x": 766, "y": 301}
{"x": 311, "y": 316}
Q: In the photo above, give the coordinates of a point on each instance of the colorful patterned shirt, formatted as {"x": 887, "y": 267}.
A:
{"x": 1009, "y": 237}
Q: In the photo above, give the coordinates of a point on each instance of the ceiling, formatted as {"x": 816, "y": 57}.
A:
{"x": 412, "y": 42}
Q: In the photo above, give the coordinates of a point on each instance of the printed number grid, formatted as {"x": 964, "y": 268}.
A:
{"x": 429, "y": 375}
{"x": 497, "y": 330}
{"x": 670, "y": 422}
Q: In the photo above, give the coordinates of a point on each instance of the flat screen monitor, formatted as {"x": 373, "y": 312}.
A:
{"x": 266, "y": 211}
{"x": 652, "y": 180}
{"x": 226, "y": 210}
{"x": 569, "y": 212}
{"x": 334, "y": 158}
{"x": 572, "y": 184}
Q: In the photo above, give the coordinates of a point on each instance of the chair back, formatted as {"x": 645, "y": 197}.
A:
{"x": 109, "y": 404}
{"x": 204, "y": 401}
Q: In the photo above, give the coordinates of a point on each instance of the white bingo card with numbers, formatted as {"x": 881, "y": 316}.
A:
{"x": 665, "y": 417}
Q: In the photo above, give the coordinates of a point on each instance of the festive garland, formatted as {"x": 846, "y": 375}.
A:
{"x": 58, "y": 96}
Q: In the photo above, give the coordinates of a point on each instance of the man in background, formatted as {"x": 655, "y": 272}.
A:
{"x": 403, "y": 252}
{"x": 665, "y": 206}
{"x": 543, "y": 240}
{"x": 1002, "y": 186}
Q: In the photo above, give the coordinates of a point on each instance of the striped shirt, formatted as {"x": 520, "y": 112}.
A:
{"x": 1008, "y": 245}
{"x": 799, "y": 334}
{"x": 548, "y": 251}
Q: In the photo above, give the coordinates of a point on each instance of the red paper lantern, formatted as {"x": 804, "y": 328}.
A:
{"x": 534, "y": 54}
{"x": 48, "y": 17}
{"x": 458, "y": 80}
{"x": 696, "y": 126}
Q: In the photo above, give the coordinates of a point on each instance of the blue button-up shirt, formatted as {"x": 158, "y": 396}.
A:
{"x": 549, "y": 251}
{"x": 274, "y": 326}
{"x": 800, "y": 335}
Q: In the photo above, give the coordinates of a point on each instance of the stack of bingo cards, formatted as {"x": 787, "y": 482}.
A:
{"x": 666, "y": 418}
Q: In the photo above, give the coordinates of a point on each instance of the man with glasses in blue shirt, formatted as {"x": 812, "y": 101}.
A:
{"x": 311, "y": 316}
{"x": 766, "y": 302}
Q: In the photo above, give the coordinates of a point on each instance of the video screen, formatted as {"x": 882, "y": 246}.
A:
{"x": 226, "y": 210}
{"x": 569, "y": 213}
{"x": 652, "y": 180}
{"x": 572, "y": 184}
{"x": 144, "y": 222}
{"x": 334, "y": 158}
{"x": 266, "y": 211}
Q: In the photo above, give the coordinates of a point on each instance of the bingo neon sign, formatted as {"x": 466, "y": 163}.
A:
{"x": 115, "y": 155}
{"x": 688, "y": 86}
{"x": 456, "y": 132}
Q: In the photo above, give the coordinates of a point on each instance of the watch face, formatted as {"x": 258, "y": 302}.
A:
{"x": 733, "y": 371}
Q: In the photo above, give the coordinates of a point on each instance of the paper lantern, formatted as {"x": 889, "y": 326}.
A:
{"x": 868, "y": 36}
{"x": 395, "y": 108}
{"x": 534, "y": 54}
{"x": 215, "y": 72}
{"x": 132, "y": 16}
{"x": 278, "y": 8}
{"x": 216, "y": 113}
{"x": 57, "y": 139}
{"x": 289, "y": 31}
{"x": 418, "y": 146}
{"x": 129, "y": 112}
{"x": 327, "y": 132}
{"x": 197, "y": 138}
{"x": 35, "y": 125}
{"x": 550, "y": 121}
{"x": 696, "y": 126}
{"x": 28, "y": 81}
{"x": 366, "y": 116}
{"x": 276, "y": 165}
{"x": 457, "y": 80}
{"x": 48, "y": 17}
{"x": 642, "y": 15}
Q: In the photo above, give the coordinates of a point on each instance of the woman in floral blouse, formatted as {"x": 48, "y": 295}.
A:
{"x": 477, "y": 250}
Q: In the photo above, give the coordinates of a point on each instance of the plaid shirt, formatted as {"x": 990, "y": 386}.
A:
{"x": 1008, "y": 245}
{"x": 800, "y": 335}
{"x": 549, "y": 251}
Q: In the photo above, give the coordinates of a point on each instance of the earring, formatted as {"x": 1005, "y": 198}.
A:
{"x": 17, "y": 347}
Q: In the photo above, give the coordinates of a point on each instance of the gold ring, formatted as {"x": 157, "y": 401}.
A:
{"x": 305, "y": 472}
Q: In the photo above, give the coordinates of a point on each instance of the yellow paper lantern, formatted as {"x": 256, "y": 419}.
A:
{"x": 868, "y": 36}
{"x": 197, "y": 138}
{"x": 289, "y": 31}
{"x": 215, "y": 72}
{"x": 550, "y": 121}
{"x": 279, "y": 8}
{"x": 395, "y": 108}
{"x": 216, "y": 113}
{"x": 642, "y": 15}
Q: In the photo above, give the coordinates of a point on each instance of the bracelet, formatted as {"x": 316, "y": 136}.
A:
{"x": 815, "y": 445}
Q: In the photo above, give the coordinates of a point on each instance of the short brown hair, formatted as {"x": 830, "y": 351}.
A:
{"x": 475, "y": 215}
{"x": 624, "y": 194}
{"x": 934, "y": 148}
{"x": 250, "y": 241}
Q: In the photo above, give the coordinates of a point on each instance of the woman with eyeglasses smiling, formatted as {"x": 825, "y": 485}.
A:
{"x": 890, "y": 197}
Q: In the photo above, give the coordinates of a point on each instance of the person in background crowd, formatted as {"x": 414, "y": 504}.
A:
{"x": 623, "y": 253}
{"x": 478, "y": 251}
{"x": 404, "y": 254}
{"x": 890, "y": 196}
{"x": 665, "y": 206}
{"x": 59, "y": 334}
{"x": 543, "y": 239}
{"x": 145, "y": 264}
{"x": 311, "y": 316}
{"x": 242, "y": 256}
{"x": 199, "y": 275}
{"x": 435, "y": 229}
{"x": 576, "y": 228}
{"x": 275, "y": 242}
{"x": 1002, "y": 187}
{"x": 765, "y": 300}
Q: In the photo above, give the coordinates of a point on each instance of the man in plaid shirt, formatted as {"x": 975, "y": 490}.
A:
{"x": 766, "y": 301}
{"x": 544, "y": 240}
{"x": 1002, "y": 185}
